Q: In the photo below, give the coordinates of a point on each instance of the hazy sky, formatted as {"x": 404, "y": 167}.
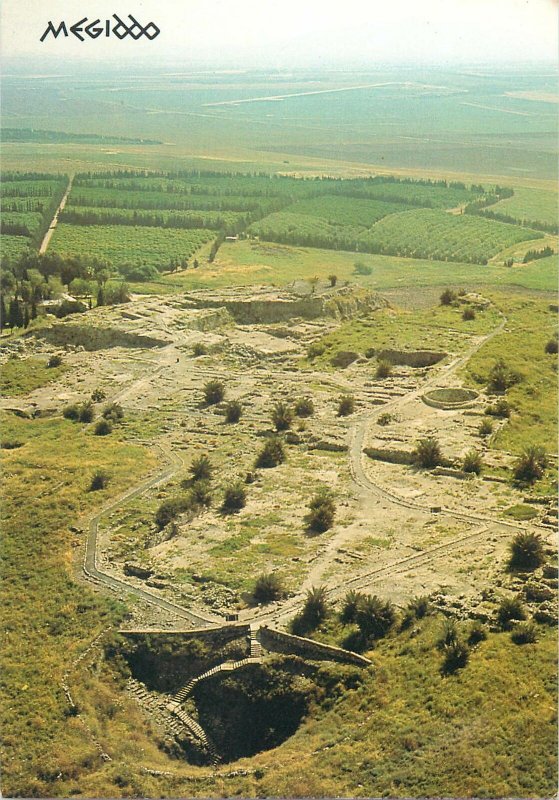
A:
{"x": 291, "y": 32}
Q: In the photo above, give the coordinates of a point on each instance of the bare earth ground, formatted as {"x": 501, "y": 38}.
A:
{"x": 387, "y": 538}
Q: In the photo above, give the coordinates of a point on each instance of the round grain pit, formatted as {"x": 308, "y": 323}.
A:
{"x": 449, "y": 399}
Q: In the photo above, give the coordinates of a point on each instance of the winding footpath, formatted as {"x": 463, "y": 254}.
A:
{"x": 97, "y": 575}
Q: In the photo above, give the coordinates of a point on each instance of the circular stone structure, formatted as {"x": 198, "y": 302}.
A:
{"x": 450, "y": 399}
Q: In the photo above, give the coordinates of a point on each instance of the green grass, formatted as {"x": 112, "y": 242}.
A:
{"x": 20, "y": 377}
{"x": 245, "y": 263}
{"x": 521, "y": 511}
{"x": 539, "y": 205}
{"x": 436, "y": 328}
{"x": 49, "y": 618}
{"x": 521, "y": 345}
{"x": 126, "y": 244}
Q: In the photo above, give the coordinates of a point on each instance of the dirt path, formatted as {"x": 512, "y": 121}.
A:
{"x": 48, "y": 235}
{"x": 90, "y": 558}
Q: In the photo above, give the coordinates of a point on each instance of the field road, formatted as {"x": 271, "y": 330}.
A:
{"x": 48, "y": 235}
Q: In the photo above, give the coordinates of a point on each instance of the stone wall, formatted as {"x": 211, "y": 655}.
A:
{"x": 412, "y": 358}
{"x": 95, "y": 338}
{"x": 390, "y": 455}
{"x": 281, "y": 642}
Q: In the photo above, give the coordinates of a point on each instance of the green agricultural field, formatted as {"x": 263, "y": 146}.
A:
{"x": 23, "y": 187}
{"x": 428, "y": 195}
{"x": 23, "y": 204}
{"x": 11, "y": 247}
{"x": 29, "y": 201}
{"x": 340, "y": 210}
{"x": 440, "y": 236}
{"x": 215, "y": 220}
{"x": 422, "y": 233}
{"x": 301, "y": 229}
{"x": 147, "y": 198}
{"x": 21, "y": 223}
{"x": 537, "y": 205}
{"x": 120, "y": 243}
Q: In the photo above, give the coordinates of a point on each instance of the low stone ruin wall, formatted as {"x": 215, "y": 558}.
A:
{"x": 281, "y": 642}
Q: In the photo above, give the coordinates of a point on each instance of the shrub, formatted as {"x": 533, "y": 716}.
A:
{"x": 171, "y": 508}
{"x": 350, "y": 605}
{"x": 113, "y": 412}
{"x": 103, "y": 427}
{"x": 54, "y": 361}
{"x": 486, "y": 428}
{"x": 384, "y": 369}
{"x": 346, "y": 406}
{"x": 525, "y": 633}
{"x": 268, "y": 587}
{"x": 333, "y": 280}
{"x": 86, "y": 412}
{"x": 527, "y": 551}
{"x": 10, "y": 444}
{"x": 98, "y": 395}
{"x": 448, "y": 297}
{"x": 419, "y": 606}
{"x": 472, "y": 462}
{"x": 552, "y": 347}
{"x": 427, "y": 453}
{"x": 304, "y": 407}
{"x": 99, "y": 480}
{"x": 468, "y": 314}
{"x": 362, "y": 269}
{"x": 500, "y": 409}
{"x": 199, "y": 349}
{"x": 71, "y": 412}
{"x": 478, "y": 633}
{"x": 234, "y": 498}
{"x": 214, "y": 392}
{"x": 272, "y": 453}
{"x": 201, "y": 468}
{"x": 233, "y": 411}
{"x": 200, "y": 494}
{"x": 313, "y": 613}
{"x": 530, "y": 465}
{"x": 374, "y": 617}
{"x": 282, "y": 416}
{"x": 385, "y": 419}
{"x": 510, "y": 609}
{"x": 501, "y": 377}
{"x": 315, "y": 349}
{"x": 322, "y": 511}
{"x": 456, "y": 657}
{"x": 449, "y": 634}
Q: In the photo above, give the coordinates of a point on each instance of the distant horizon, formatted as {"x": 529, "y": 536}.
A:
{"x": 262, "y": 34}
{"x": 201, "y": 67}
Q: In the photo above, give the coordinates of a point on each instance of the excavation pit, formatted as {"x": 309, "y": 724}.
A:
{"x": 449, "y": 399}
